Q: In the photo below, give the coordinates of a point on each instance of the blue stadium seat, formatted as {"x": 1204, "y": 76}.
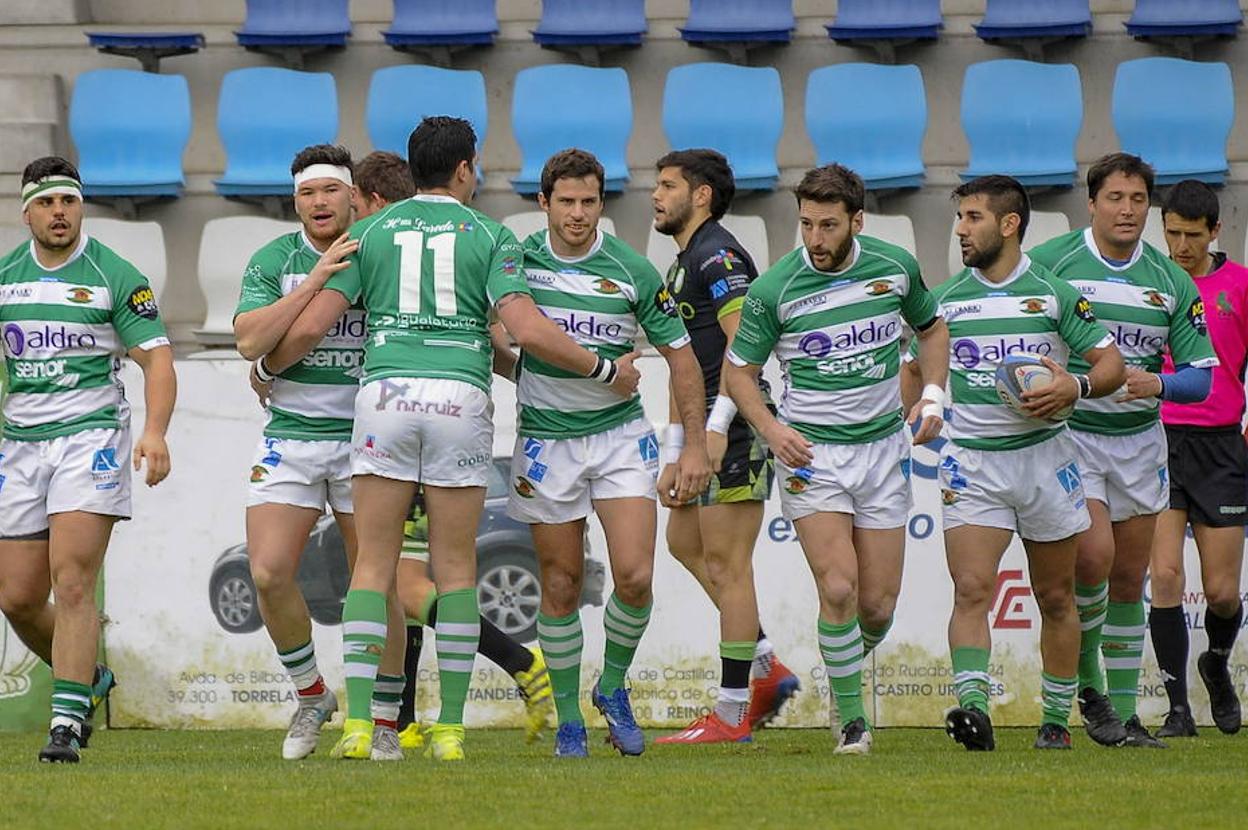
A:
{"x": 130, "y": 129}
{"x": 593, "y": 111}
{"x": 442, "y": 23}
{"x": 739, "y": 20}
{"x": 591, "y": 23}
{"x": 1187, "y": 141}
{"x": 264, "y": 116}
{"x": 870, "y": 118}
{"x": 1163, "y": 18}
{"x": 399, "y": 96}
{"x": 737, "y": 110}
{"x": 1022, "y": 119}
{"x": 886, "y": 20}
{"x": 1013, "y": 19}
{"x": 295, "y": 23}
{"x": 148, "y": 48}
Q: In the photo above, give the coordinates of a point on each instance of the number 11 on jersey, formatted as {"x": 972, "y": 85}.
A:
{"x": 412, "y": 247}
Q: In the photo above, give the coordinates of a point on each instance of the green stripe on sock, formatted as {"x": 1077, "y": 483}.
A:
{"x": 362, "y": 649}
{"x": 1056, "y": 695}
{"x": 734, "y": 650}
{"x": 561, "y": 641}
{"x": 1122, "y": 645}
{"x": 970, "y": 677}
{"x": 872, "y": 638}
{"x": 841, "y": 647}
{"x": 1091, "y": 601}
{"x": 70, "y": 699}
{"x": 624, "y": 626}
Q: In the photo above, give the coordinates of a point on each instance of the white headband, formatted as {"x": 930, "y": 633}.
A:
{"x": 323, "y": 171}
{"x": 48, "y": 186}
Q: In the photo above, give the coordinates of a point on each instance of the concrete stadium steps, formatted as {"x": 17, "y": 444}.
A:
{"x": 31, "y": 113}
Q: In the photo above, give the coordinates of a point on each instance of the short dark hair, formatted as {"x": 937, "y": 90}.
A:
{"x": 436, "y": 147}
{"x": 1192, "y": 200}
{"x": 701, "y": 166}
{"x": 385, "y": 174}
{"x": 321, "y": 154}
{"x": 1124, "y": 163}
{"x": 572, "y": 163}
{"x": 41, "y": 168}
{"x": 833, "y": 183}
{"x": 1005, "y": 195}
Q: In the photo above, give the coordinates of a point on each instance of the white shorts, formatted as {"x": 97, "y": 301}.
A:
{"x": 556, "y": 480}
{"x": 302, "y": 473}
{"x": 432, "y": 430}
{"x": 1035, "y": 491}
{"x": 869, "y": 481}
{"x": 87, "y": 471}
{"x": 1128, "y": 473}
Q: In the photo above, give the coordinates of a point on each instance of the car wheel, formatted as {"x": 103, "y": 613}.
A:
{"x": 509, "y": 593}
{"x": 234, "y": 601}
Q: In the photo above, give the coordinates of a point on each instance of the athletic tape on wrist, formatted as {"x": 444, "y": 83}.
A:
{"x": 673, "y": 443}
{"x": 263, "y": 372}
{"x": 722, "y": 413}
{"x": 935, "y": 394}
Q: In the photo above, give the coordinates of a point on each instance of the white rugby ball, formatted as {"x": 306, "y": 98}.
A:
{"x": 1020, "y": 373}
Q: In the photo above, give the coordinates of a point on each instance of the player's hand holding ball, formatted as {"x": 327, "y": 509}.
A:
{"x": 1037, "y": 386}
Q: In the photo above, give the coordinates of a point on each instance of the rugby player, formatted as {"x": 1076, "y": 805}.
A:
{"x": 1007, "y": 472}
{"x": 302, "y": 463}
{"x": 1149, "y": 305}
{"x": 713, "y": 536}
{"x": 1208, "y": 462}
{"x": 832, "y": 311}
{"x": 428, "y": 270}
{"x": 580, "y": 448}
{"x": 70, "y": 309}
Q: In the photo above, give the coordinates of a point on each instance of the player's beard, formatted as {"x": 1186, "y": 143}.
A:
{"x": 674, "y": 221}
{"x": 986, "y": 256}
{"x": 51, "y": 243}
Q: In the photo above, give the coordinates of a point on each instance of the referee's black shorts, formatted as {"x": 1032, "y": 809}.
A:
{"x": 1209, "y": 474}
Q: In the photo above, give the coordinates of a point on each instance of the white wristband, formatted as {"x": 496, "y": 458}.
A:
{"x": 935, "y": 394}
{"x": 262, "y": 372}
{"x": 722, "y": 413}
{"x": 674, "y": 442}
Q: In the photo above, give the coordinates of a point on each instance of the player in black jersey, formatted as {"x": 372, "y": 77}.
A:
{"x": 713, "y": 536}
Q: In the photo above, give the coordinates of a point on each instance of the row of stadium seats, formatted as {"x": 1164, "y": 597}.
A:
{"x": 226, "y": 245}
{"x": 564, "y": 23}
{"x": 1020, "y": 117}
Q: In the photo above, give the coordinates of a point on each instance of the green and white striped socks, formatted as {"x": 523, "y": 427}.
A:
{"x": 624, "y": 626}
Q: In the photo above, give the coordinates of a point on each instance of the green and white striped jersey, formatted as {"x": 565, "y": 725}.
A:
{"x": 1148, "y": 304}
{"x": 429, "y": 269}
{"x": 65, "y": 330}
{"x": 1031, "y": 312}
{"x": 602, "y": 300}
{"x": 313, "y": 400}
{"x": 837, "y": 337}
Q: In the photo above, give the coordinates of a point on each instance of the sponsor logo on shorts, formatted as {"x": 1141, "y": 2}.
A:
{"x": 523, "y": 487}
{"x": 648, "y": 449}
{"x": 533, "y": 447}
{"x": 606, "y": 286}
{"x": 80, "y": 295}
{"x": 948, "y": 496}
{"x": 1225, "y": 509}
{"x": 537, "y": 471}
{"x": 473, "y": 460}
{"x": 799, "y": 481}
{"x": 273, "y": 458}
{"x": 1072, "y": 482}
{"x": 371, "y": 449}
{"x": 259, "y": 473}
{"x": 905, "y": 468}
{"x": 105, "y": 460}
{"x": 142, "y": 301}
{"x": 1033, "y": 305}
{"x": 1163, "y": 477}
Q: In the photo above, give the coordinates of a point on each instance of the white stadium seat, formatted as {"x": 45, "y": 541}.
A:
{"x": 529, "y": 222}
{"x": 142, "y": 244}
{"x": 11, "y": 236}
{"x": 225, "y": 248}
{"x": 750, "y": 231}
{"x": 1044, "y": 225}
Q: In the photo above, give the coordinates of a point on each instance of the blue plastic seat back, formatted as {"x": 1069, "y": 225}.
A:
{"x": 883, "y": 19}
{"x": 443, "y": 22}
{"x": 294, "y": 22}
{"x": 130, "y": 129}
{"x": 400, "y": 96}
{"x": 737, "y": 110}
{"x": 870, "y": 118}
{"x": 1187, "y": 141}
{"x": 1185, "y": 17}
{"x": 591, "y": 21}
{"x": 739, "y": 20}
{"x": 1022, "y": 119}
{"x": 561, "y": 105}
{"x": 265, "y": 116}
{"x": 1035, "y": 18}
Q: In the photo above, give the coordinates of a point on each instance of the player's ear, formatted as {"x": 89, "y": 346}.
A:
{"x": 856, "y": 222}
{"x": 543, "y": 202}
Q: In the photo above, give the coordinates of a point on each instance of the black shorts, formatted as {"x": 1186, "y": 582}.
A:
{"x": 748, "y": 469}
{"x": 1209, "y": 474}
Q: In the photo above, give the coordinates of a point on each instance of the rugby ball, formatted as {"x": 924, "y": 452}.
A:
{"x": 1020, "y": 373}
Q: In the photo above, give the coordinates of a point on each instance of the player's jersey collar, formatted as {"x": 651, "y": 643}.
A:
{"x": 1090, "y": 243}
{"x": 593, "y": 249}
{"x": 1024, "y": 264}
{"x": 78, "y": 249}
{"x": 436, "y": 197}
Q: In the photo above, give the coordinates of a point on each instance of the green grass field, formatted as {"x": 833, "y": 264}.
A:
{"x": 915, "y": 778}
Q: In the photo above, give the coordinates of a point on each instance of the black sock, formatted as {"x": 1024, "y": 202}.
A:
{"x": 735, "y": 674}
{"x": 503, "y": 651}
{"x": 1222, "y": 630}
{"x": 411, "y": 660}
{"x": 1168, "y": 627}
